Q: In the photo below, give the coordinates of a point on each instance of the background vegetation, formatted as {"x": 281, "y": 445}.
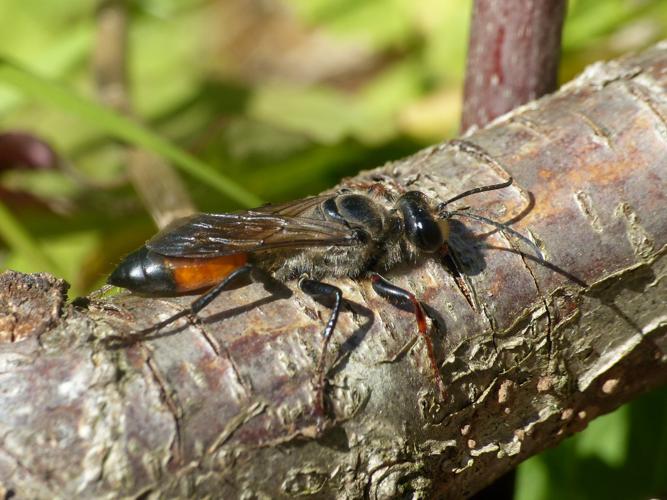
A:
{"x": 283, "y": 98}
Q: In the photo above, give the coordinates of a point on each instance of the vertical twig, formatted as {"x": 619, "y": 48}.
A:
{"x": 513, "y": 56}
{"x": 159, "y": 187}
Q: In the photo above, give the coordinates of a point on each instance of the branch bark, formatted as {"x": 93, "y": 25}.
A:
{"x": 223, "y": 408}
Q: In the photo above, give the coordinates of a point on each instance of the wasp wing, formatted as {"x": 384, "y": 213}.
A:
{"x": 291, "y": 225}
{"x": 297, "y": 208}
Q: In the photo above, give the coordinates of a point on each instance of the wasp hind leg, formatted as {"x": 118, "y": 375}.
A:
{"x": 400, "y": 297}
{"x": 191, "y": 312}
{"x": 319, "y": 290}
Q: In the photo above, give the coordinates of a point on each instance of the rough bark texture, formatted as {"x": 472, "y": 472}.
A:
{"x": 223, "y": 408}
{"x": 513, "y": 56}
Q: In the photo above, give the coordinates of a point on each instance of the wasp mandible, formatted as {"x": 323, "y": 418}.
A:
{"x": 352, "y": 233}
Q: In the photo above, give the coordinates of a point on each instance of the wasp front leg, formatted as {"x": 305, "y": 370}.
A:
{"x": 399, "y": 296}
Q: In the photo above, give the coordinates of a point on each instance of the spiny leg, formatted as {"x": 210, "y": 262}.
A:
{"x": 395, "y": 294}
{"x": 195, "y": 307}
{"x": 317, "y": 289}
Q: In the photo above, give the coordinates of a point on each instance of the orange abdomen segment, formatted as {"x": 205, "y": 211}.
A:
{"x": 196, "y": 274}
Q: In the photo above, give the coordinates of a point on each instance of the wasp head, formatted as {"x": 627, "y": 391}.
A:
{"x": 422, "y": 225}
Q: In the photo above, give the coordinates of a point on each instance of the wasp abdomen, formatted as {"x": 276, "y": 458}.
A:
{"x": 151, "y": 273}
{"x": 143, "y": 271}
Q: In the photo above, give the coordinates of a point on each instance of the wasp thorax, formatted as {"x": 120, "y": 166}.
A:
{"x": 357, "y": 211}
{"x": 422, "y": 229}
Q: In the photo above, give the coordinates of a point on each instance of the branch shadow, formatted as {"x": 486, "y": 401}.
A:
{"x": 275, "y": 288}
{"x": 355, "y": 339}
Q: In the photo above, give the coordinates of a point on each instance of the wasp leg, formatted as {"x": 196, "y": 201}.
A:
{"x": 196, "y": 306}
{"x": 399, "y": 296}
{"x": 318, "y": 290}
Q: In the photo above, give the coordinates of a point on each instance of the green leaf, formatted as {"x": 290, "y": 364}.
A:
{"x": 378, "y": 23}
{"x": 532, "y": 480}
{"x": 606, "y": 438}
{"x": 324, "y": 115}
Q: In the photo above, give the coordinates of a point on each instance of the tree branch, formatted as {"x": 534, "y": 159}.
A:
{"x": 513, "y": 56}
{"x": 529, "y": 353}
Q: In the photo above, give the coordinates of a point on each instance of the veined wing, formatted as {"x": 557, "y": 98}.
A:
{"x": 291, "y": 225}
{"x": 296, "y": 208}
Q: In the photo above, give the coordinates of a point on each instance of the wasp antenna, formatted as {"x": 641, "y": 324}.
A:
{"x": 481, "y": 189}
{"x": 499, "y": 225}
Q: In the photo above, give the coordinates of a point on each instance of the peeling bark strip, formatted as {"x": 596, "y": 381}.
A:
{"x": 223, "y": 407}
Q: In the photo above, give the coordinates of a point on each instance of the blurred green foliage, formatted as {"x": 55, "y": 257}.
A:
{"x": 622, "y": 455}
{"x": 283, "y": 99}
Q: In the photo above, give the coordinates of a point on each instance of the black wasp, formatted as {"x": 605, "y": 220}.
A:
{"x": 353, "y": 233}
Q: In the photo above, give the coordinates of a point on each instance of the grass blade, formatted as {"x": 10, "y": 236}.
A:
{"x": 18, "y": 239}
{"x": 120, "y": 127}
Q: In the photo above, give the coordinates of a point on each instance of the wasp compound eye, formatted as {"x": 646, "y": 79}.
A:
{"x": 421, "y": 228}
